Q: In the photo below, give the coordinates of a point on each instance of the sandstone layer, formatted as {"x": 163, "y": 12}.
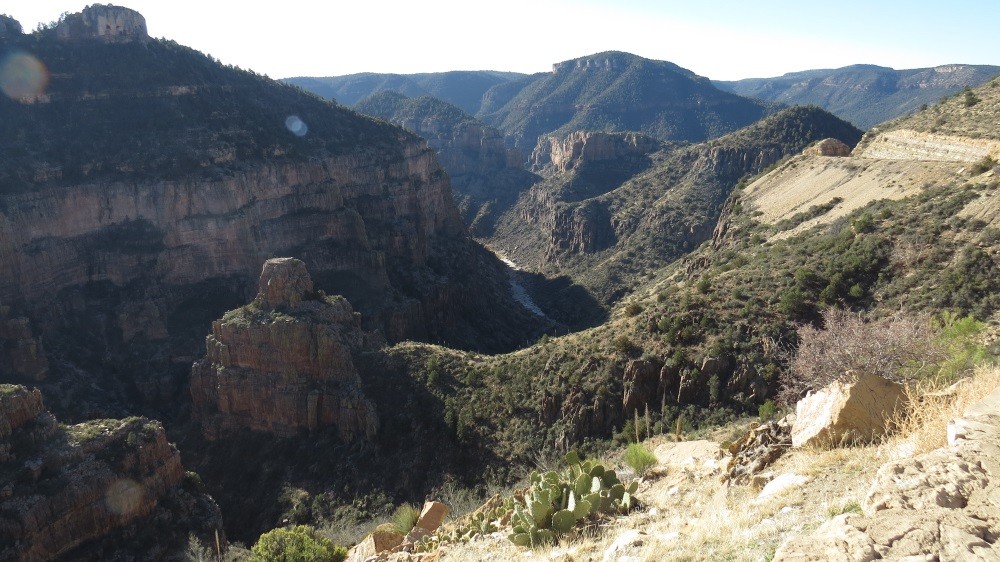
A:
{"x": 904, "y": 144}
{"x": 939, "y": 505}
{"x": 284, "y": 363}
{"x": 64, "y": 486}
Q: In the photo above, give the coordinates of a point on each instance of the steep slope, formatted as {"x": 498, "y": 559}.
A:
{"x": 609, "y": 229}
{"x": 615, "y": 91}
{"x": 708, "y": 334}
{"x": 863, "y": 94}
{"x": 486, "y": 175}
{"x": 69, "y": 490}
{"x": 144, "y": 185}
{"x": 462, "y": 88}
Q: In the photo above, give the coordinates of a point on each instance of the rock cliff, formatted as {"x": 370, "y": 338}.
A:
{"x": 68, "y": 487}
{"x": 579, "y": 147}
{"x": 121, "y": 258}
{"x": 104, "y": 22}
{"x": 21, "y": 353}
{"x": 283, "y": 363}
{"x": 486, "y": 175}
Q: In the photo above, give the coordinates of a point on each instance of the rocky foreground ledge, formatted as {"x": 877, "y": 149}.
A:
{"x": 940, "y": 505}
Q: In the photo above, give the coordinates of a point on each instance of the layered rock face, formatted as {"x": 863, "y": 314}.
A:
{"x": 283, "y": 363}
{"x": 577, "y": 148}
{"x": 104, "y": 22}
{"x": 905, "y": 144}
{"x": 67, "y": 485}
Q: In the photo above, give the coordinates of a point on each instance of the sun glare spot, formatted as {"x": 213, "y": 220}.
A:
{"x": 22, "y": 76}
{"x": 124, "y": 496}
{"x": 297, "y": 126}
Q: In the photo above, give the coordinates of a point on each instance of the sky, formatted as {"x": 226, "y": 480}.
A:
{"x": 723, "y": 40}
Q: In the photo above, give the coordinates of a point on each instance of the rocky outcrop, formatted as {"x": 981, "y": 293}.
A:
{"x": 757, "y": 450}
{"x": 21, "y": 353}
{"x": 562, "y": 154}
{"x": 828, "y": 147}
{"x": 904, "y": 144}
{"x": 103, "y": 22}
{"x": 283, "y": 364}
{"x": 939, "y": 505}
{"x": 856, "y": 409}
{"x": 384, "y": 541}
{"x": 9, "y": 26}
{"x": 66, "y": 485}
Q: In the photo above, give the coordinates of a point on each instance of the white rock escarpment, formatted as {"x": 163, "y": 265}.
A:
{"x": 905, "y": 144}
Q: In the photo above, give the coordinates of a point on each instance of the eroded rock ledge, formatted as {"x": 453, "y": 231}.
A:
{"x": 940, "y": 505}
{"x": 284, "y": 362}
{"x": 62, "y": 486}
{"x": 905, "y": 144}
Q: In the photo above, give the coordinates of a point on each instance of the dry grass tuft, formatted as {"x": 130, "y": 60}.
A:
{"x": 923, "y": 427}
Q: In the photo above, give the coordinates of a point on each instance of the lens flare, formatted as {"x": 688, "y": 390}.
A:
{"x": 124, "y": 496}
{"x": 297, "y": 126}
{"x": 22, "y": 76}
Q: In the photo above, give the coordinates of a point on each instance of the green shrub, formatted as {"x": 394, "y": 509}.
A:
{"x": 633, "y": 309}
{"x": 639, "y": 458}
{"x": 405, "y": 518}
{"x": 297, "y": 544}
{"x": 767, "y": 411}
{"x": 984, "y": 165}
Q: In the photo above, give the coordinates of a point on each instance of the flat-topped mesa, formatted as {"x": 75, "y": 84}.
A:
{"x": 9, "y": 26}
{"x": 104, "y": 22}
{"x": 284, "y": 363}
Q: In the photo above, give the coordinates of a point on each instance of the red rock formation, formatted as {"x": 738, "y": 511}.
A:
{"x": 283, "y": 363}
{"x": 69, "y": 485}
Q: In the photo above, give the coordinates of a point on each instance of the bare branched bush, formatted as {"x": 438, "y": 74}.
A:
{"x": 899, "y": 347}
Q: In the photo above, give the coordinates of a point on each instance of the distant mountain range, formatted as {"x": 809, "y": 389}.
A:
{"x": 616, "y": 91}
{"x": 462, "y": 88}
{"x": 864, "y": 94}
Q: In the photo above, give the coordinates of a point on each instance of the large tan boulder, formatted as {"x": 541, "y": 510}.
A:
{"x": 854, "y": 410}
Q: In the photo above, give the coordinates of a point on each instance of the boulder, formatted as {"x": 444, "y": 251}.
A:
{"x": 939, "y": 505}
{"x": 432, "y": 515}
{"x": 828, "y": 147}
{"x": 284, "y": 283}
{"x": 853, "y": 410}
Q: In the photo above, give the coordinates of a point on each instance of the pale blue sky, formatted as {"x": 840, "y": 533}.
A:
{"x": 723, "y": 40}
